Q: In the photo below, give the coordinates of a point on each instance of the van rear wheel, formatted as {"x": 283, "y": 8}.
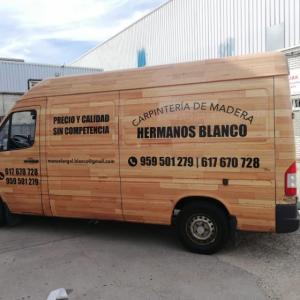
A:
{"x": 203, "y": 228}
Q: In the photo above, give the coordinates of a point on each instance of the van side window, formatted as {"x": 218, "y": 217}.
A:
{"x": 18, "y": 131}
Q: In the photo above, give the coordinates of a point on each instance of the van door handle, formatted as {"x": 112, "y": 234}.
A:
{"x": 31, "y": 161}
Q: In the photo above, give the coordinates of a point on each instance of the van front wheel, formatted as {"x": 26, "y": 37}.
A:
{"x": 202, "y": 228}
{"x": 2, "y": 214}
{"x": 8, "y": 218}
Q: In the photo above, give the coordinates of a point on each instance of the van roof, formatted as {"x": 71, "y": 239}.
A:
{"x": 230, "y": 68}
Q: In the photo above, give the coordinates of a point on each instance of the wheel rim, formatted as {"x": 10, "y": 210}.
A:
{"x": 202, "y": 229}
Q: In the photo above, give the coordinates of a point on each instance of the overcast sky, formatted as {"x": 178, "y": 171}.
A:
{"x": 59, "y": 31}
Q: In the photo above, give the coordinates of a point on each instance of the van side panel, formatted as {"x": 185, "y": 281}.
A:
{"x": 83, "y": 156}
{"x": 284, "y": 135}
{"x": 189, "y": 140}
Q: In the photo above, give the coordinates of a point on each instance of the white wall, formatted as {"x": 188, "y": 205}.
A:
{"x": 7, "y": 102}
{"x": 186, "y": 30}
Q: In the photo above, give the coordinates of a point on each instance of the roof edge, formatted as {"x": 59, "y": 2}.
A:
{"x": 46, "y": 65}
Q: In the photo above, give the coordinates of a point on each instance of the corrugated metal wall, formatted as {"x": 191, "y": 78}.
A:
{"x": 14, "y": 75}
{"x": 185, "y": 30}
{"x": 294, "y": 62}
{"x": 7, "y": 102}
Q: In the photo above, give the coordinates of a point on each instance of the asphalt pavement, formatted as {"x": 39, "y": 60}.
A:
{"x": 111, "y": 260}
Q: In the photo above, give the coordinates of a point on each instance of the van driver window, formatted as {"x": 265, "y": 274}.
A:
{"x": 19, "y": 131}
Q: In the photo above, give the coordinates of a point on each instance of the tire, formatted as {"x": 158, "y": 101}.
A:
{"x": 203, "y": 227}
{"x": 10, "y": 219}
{"x": 2, "y": 214}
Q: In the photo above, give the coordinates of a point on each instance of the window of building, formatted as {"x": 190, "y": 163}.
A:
{"x": 141, "y": 58}
{"x": 296, "y": 103}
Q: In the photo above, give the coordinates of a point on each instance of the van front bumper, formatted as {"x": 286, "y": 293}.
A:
{"x": 287, "y": 218}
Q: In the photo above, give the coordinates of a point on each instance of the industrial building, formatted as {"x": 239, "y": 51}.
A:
{"x": 187, "y": 30}
{"x": 17, "y": 76}
{"x": 181, "y": 30}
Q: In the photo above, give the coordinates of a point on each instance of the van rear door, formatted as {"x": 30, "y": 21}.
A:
{"x": 20, "y": 186}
